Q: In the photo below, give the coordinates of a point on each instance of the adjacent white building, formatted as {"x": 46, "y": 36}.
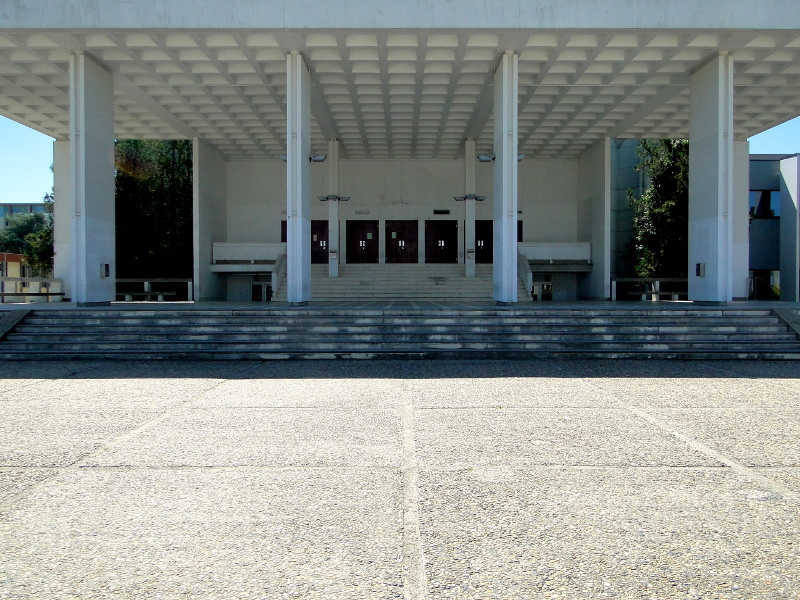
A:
{"x": 402, "y": 97}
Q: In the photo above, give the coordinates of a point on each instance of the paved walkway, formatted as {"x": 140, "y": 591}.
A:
{"x": 408, "y": 480}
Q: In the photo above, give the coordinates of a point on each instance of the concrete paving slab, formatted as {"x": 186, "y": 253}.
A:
{"x": 206, "y": 534}
{"x": 32, "y": 437}
{"x": 689, "y": 392}
{"x": 261, "y": 437}
{"x": 398, "y": 482}
{"x": 86, "y": 393}
{"x": 759, "y": 437}
{"x": 789, "y": 477}
{"x": 607, "y": 533}
{"x": 312, "y": 392}
{"x": 14, "y": 481}
{"x": 565, "y": 436}
{"x": 507, "y": 392}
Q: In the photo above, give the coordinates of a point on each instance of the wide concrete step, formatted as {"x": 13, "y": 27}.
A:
{"x": 180, "y": 348}
{"x": 392, "y": 329}
{"x": 226, "y": 336}
{"x": 463, "y": 354}
{"x": 117, "y": 332}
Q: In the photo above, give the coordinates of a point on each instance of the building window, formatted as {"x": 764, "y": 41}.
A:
{"x": 765, "y": 204}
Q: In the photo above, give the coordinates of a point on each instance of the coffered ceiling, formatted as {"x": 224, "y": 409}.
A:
{"x": 399, "y": 93}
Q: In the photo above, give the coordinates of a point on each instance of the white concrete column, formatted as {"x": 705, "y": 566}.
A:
{"x": 506, "y": 91}
{"x": 298, "y": 180}
{"x": 92, "y": 181}
{"x": 209, "y": 218}
{"x": 711, "y": 181}
{"x": 333, "y": 208}
{"x": 790, "y": 232}
{"x": 469, "y": 209}
{"x": 62, "y": 216}
{"x": 594, "y": 188}
{"x": 741, "y": 220}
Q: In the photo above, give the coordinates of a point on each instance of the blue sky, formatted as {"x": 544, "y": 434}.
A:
{"x": 26, "y": 156}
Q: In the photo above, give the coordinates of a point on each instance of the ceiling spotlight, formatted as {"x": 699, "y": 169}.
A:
{"x": 318, "y": 158}
{"x": 521, "y": 157}
{"x": 333, "y": 198}
{"x": 469, "y": 197}
{"x": 485, "y": 158}
{"x": 283, "y": 157}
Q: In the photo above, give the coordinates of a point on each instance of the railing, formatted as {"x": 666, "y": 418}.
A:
{"x": 655, "y": 292}
{"x": 278, "y": 269}
{"x": 525, "y": 274}
{"x": 30, "y": 289}
{"x": 147, "y": 292}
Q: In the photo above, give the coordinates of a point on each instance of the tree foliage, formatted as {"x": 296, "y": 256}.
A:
{"x": 32, "y": 235}
{"x": 154, "y": 208}
{"x": 39, "y": 245}
{"x": 661, "y": 214}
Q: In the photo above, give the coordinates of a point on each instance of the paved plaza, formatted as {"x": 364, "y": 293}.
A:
{"x": 407, "y": 480}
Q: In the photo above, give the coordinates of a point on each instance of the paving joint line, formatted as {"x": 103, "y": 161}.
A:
{"x": 75, "y": 465}
{"x": 415, "y": 582}
{"x": 739, "y": 468}
{"x": 747, "y": 472}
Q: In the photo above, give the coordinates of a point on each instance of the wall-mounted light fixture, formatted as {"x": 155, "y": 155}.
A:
{"x": 469, "y": 197}
{"x": 333, "y": 198}
{"x": 313, "y": 158}
{"x": 487, "y": 158}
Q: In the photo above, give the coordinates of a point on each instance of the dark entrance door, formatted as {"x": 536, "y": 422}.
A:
{"x": 441, "y": 241}
{"x": 401, "y": 241}
{"x": 362, "y": 241}
{"x": 484, "y": 242}
{"x": 319, "y": 242}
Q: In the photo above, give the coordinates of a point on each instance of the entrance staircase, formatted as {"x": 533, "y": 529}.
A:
{"x": 354, "y": 331}
{"x": 435, "y": 282}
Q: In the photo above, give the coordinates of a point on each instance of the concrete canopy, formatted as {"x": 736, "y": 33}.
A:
{"x": 403, "y": 78}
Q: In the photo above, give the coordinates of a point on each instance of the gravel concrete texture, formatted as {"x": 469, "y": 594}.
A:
{"x": 416, "y": 480}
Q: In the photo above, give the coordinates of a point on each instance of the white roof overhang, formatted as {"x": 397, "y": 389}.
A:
{"x": 397, "y": 92}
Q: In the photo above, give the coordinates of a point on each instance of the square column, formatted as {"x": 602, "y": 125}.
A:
{"x": 333, "y": 208}
{"x": 209, "y": 218}
{"x": 91, "y": 177}
{"x": 741, "y": 220}
{"x": 469, "y": 208}
{"x": 711, "y": 181}
{"x": 298, "y": 181}
{"x": 790, "y": 231}
{"x": 62, "y": 216}
{"x": 506, "y": 94}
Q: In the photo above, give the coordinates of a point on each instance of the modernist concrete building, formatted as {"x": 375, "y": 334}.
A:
{"x": 402, "y": 96}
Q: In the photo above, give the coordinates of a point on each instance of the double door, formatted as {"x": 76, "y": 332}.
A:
{"x": 402, "y": 241}
{"x": 361, "y": 242}
{"x": 484, "y": 240}
{"x": 441, "y": 241}
{"x": 319, "y": 241}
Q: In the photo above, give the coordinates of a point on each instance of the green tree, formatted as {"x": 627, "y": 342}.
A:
{"x": 661, "y": 215}
{"x": 39, "y": 244}
{"x": 13, "y": 237}
{"x": 154, "y": 208}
